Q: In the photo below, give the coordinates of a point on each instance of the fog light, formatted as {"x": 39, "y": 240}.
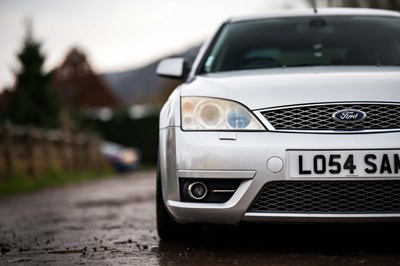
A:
{"x": 197, "y": 190}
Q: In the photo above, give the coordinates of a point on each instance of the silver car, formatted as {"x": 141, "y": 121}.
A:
{"x": 289, "y": 117}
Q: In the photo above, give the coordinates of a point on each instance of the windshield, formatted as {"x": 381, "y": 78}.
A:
{"x": 305, "y": 41}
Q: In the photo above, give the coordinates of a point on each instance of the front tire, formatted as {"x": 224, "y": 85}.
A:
{"x": 168, "y": 229}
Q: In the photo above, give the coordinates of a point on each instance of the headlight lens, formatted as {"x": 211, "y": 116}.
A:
{"x": 200, "y": 113}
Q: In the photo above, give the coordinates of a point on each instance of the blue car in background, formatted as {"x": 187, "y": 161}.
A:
{"x": 122, "y": 159}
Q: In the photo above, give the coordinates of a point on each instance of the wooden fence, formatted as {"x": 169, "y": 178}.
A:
{"x": 32, "y": 151}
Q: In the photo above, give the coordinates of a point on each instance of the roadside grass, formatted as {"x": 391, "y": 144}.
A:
{"x": 19, "y": 183}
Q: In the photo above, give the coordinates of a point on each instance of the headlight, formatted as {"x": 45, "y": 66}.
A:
{"x": 200, "y": 113}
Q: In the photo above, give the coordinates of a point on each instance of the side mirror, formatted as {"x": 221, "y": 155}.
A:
{"x": 173, "y": 68}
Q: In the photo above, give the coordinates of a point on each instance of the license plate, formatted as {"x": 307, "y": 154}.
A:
{"x": 374, "y": 163}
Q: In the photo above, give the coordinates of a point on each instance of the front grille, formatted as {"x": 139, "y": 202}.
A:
{"x": 319, "y": 117}
{"x": 333, "y": 197}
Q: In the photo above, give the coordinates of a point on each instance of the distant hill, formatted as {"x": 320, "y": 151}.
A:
{"x": 142, "y": 85}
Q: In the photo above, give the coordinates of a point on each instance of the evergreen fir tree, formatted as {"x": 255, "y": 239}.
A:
{"x": 33, "y": 100}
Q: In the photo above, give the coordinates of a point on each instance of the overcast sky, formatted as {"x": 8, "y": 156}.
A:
{"x": 116, "y": 34}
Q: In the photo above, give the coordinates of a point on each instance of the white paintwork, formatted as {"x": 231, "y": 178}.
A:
{"x": 275, "y": 164}
{"x": 320, "y": 11}
{"x": 171, "y": 67}
{"x": 261, "y": 89}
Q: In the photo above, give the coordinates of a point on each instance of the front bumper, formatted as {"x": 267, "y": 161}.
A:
{"x": 245, "y": 155}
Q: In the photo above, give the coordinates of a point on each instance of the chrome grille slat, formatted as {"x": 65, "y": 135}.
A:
{"x": 319, "y": 117}
{"x": 334, "y": 197}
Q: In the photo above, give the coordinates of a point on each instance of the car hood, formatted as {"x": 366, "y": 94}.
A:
{"x": 258, "y": 89}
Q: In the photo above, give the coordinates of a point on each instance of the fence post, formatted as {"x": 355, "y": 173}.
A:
{"x": 7, "y": 149}
{"x": 47, "y": 149}
{"x": 30, "y": 149}
{"x": 66, "y": 153}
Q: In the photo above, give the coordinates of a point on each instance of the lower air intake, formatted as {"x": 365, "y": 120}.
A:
{"x": 335, "y": 197}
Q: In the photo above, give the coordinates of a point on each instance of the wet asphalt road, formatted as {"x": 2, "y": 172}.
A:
{"x": 112, "y": 222}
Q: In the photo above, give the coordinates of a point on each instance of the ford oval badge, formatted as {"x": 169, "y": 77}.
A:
{"x": 349, "y": 116}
